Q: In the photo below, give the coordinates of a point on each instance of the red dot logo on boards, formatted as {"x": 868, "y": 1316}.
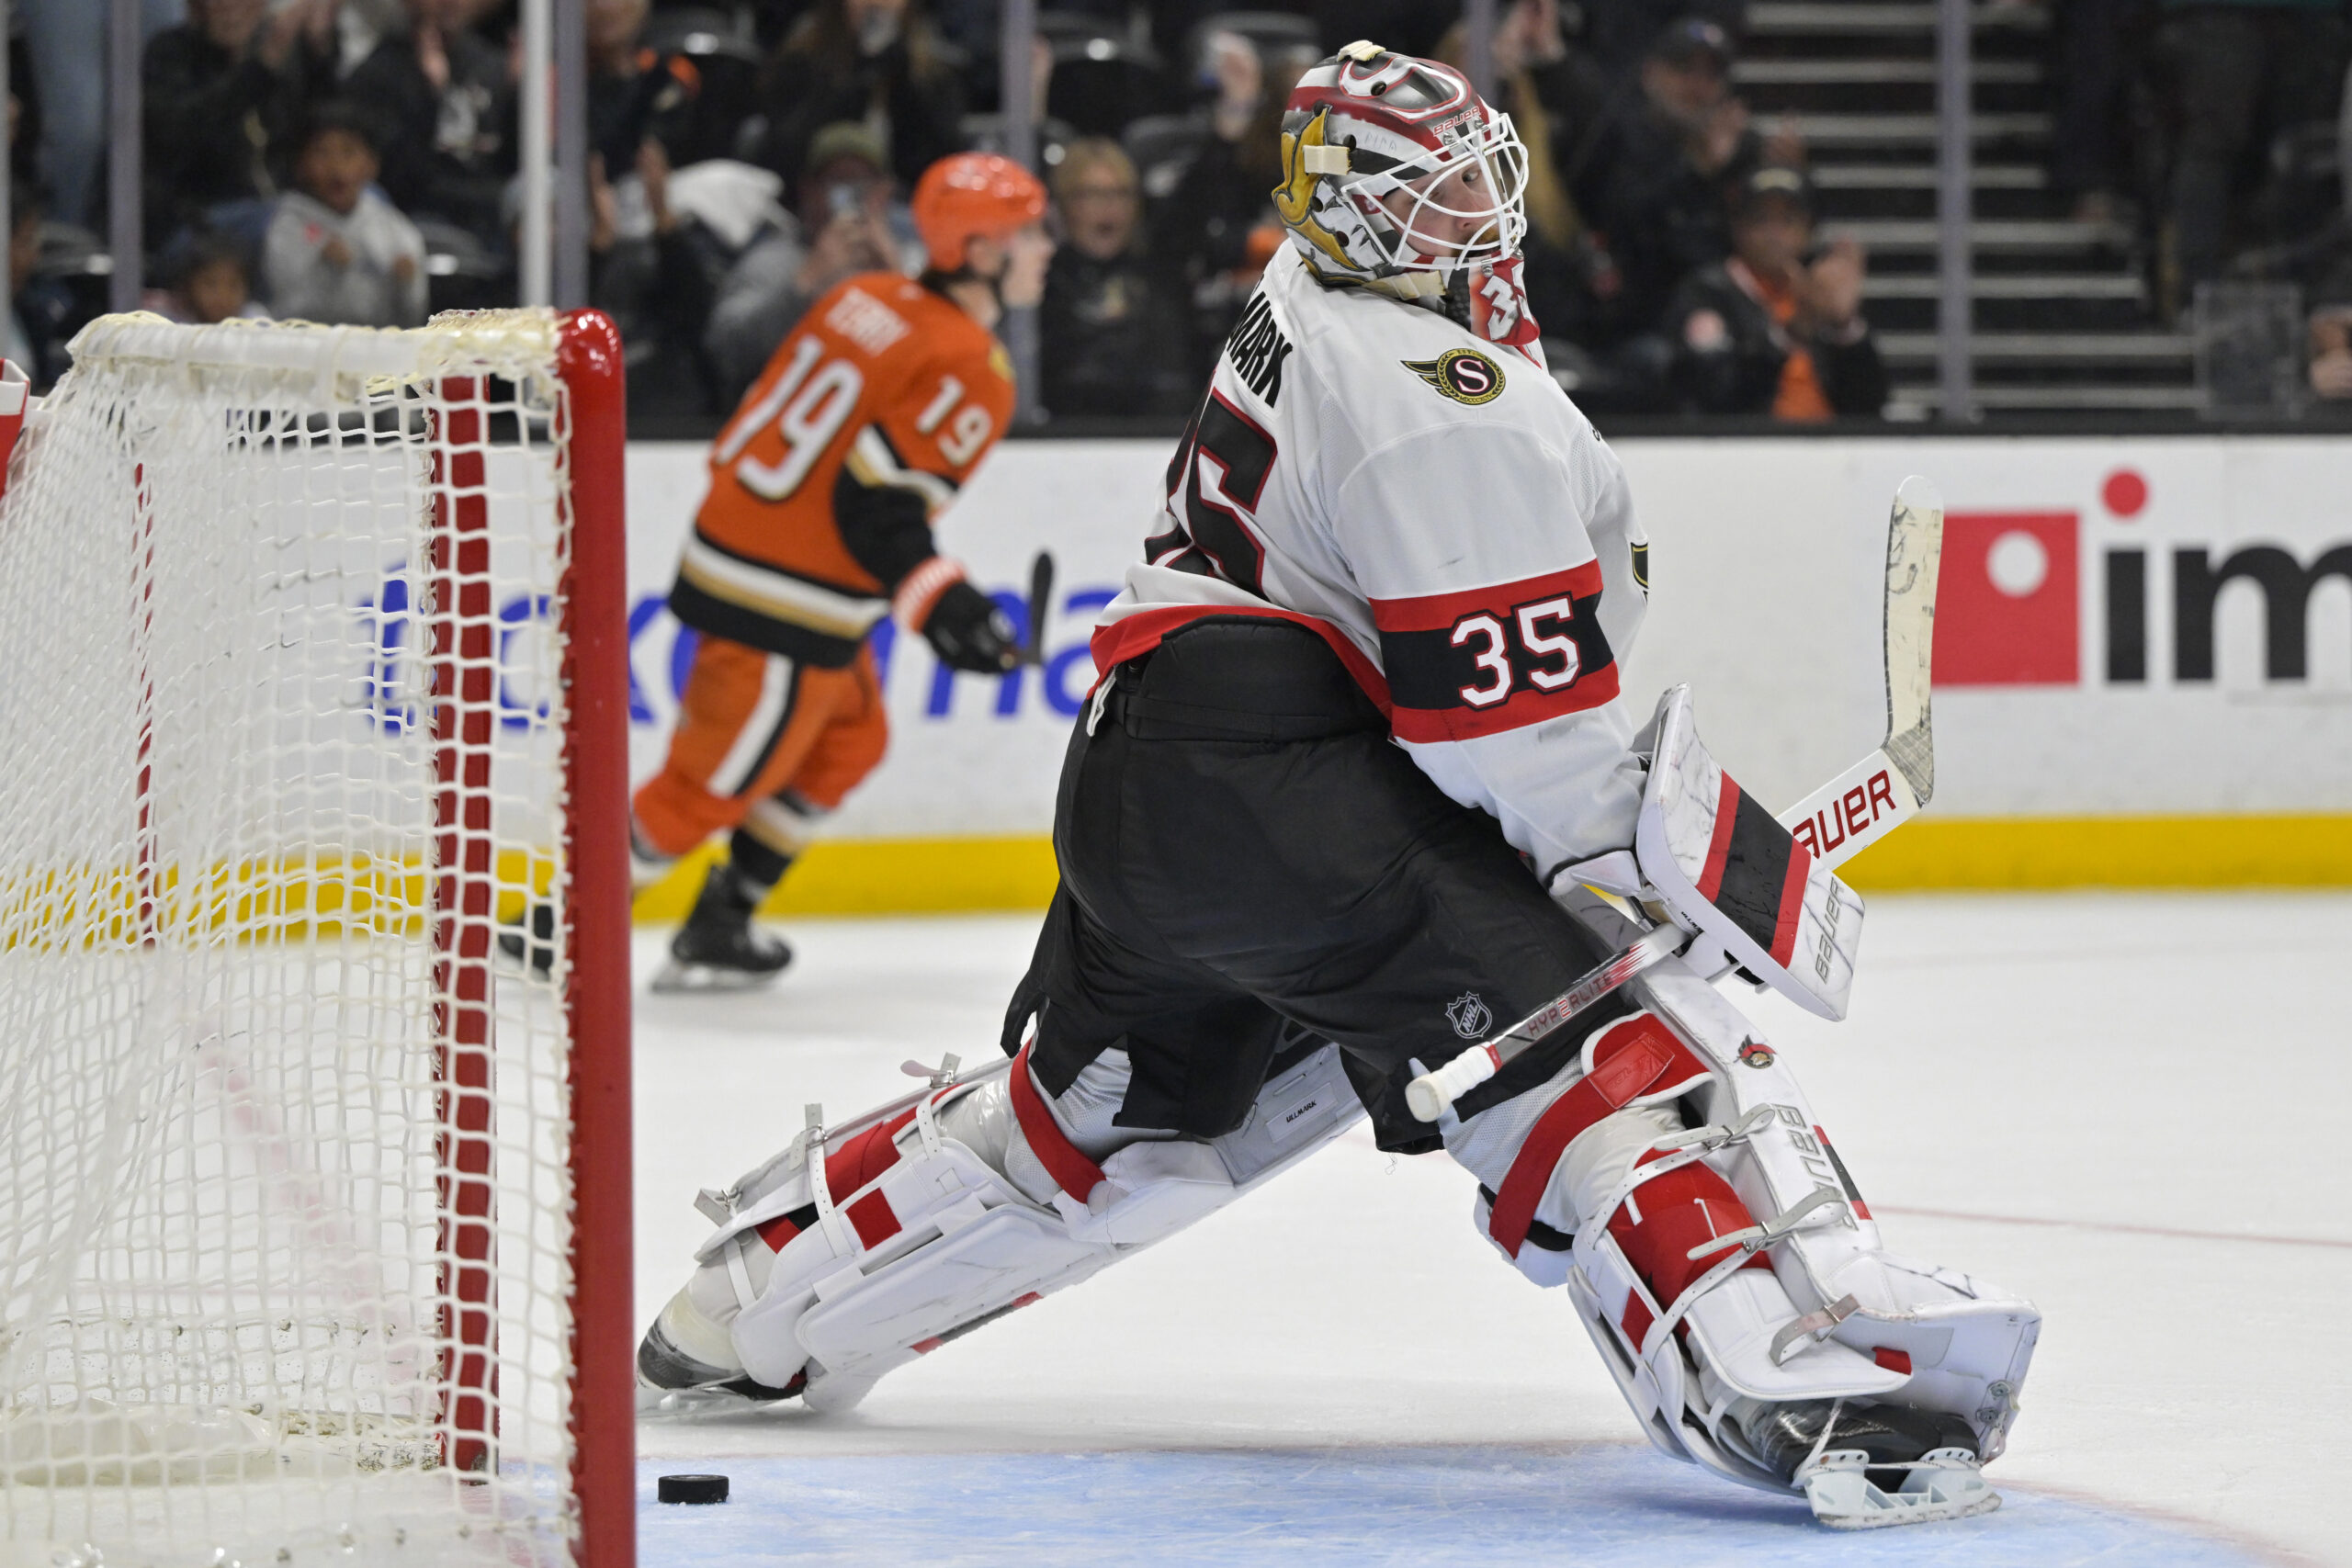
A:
{"x": 2008, "y": 604}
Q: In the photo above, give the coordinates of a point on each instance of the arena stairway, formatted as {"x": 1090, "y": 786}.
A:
{"x": 2063, "y": 314}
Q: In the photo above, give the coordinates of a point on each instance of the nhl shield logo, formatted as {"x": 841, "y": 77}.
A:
{"x": 1469, "y": 1014}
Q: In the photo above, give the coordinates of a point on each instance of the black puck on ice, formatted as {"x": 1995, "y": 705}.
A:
{"x": 691, "y": 1489}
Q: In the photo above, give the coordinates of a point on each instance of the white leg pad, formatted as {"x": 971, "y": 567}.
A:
{"x": 1836, "y": 1317}
{"x": 966, "y": 1225}
{"x": 1963, "y": 1344}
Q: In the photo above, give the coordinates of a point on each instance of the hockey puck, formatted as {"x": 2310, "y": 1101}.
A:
{"x": 691, "y": 1489}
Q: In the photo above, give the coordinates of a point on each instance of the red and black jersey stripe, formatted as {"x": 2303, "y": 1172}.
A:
{"x": 1755, "y": 871}
{"x": 1488, "y": 659}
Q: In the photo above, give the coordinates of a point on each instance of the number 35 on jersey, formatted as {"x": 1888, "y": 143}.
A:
{"x": 1487, "y": 660}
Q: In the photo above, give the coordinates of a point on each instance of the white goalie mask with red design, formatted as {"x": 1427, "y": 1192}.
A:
{"x": 1395, "y": 174}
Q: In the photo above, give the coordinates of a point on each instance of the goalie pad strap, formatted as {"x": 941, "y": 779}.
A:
{"x": 1071, "y": 1170}
{"x": 1630, "y": 1058}
{"x": 857, "y": 1162}
{"x": 1674, "y": 1215}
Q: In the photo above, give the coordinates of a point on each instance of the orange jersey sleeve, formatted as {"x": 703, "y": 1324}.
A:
{"x": 873, "y": 411}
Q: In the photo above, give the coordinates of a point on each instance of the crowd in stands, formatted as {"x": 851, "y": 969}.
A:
{"x": 355, "y": 161}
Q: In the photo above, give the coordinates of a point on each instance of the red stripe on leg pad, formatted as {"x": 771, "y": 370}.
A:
{"x": 1683, "y": 1209}
{"x": 864, "y": 1157}
{"x": 1071, "y": 1170}
{"x": 874, "y": 1220}
{"x": 1630, "y": 1057}
{"x": 1784, "y": 926}
{"x": 867, "y": 1155}
{"x": 1892, "y": 1361}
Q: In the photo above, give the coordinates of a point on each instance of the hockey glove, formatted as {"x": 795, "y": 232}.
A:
{"x": 968, "y": 632}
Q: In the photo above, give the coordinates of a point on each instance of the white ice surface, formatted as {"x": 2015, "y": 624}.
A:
{"x": 2131, "y": 1107}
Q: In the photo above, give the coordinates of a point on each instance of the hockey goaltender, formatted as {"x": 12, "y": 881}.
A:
{"x": 1336, "y": 813}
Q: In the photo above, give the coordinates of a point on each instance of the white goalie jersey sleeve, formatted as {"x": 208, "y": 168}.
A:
{"x": 1441, "y": 512}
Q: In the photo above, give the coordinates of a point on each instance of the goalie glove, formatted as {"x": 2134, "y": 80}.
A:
{"x": 964, "y": 625}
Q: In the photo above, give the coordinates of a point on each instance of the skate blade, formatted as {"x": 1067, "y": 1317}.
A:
{"x": 679, "y": 979}
{"x": 1845, "y": 1499}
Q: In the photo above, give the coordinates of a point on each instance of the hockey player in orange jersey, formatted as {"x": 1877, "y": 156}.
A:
{"x": 824, "y": 489}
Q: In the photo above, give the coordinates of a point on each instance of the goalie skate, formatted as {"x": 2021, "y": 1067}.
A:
{"x": 1946, "y": 1483}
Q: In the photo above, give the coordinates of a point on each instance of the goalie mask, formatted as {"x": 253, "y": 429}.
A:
{"x": 1395, "y": 174}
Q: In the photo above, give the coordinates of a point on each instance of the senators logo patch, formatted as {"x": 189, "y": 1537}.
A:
{"x": 1463, "y": 374}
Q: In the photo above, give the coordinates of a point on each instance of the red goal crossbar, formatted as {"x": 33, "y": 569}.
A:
{"x": 591, "y": 620}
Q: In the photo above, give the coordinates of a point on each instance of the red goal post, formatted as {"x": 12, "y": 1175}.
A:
{"x": 315, "y": 1234}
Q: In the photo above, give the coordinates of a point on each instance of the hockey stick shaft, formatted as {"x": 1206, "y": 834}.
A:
{"x": 1886, "y": 788}
{"x": 1041, "y": 603}
{"x": 1428, "y": 1096}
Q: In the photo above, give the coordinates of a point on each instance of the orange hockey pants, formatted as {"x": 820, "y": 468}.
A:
{"x": 753, "y": 726}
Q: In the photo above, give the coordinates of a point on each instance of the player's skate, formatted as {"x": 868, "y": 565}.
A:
{"x": 529, "y": 939}
{"x": 718, "y": 949}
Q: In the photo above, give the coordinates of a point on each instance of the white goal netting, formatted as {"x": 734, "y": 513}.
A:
{"x": 284, "y": 1144}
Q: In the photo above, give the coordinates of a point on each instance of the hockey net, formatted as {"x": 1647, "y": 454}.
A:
{"x": 313, "y": 1202}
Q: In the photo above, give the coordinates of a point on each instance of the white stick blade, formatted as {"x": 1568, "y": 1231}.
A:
{"x": 1915, "y": 537}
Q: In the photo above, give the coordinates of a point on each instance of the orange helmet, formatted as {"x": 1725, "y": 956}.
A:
{"x": 970, "y": 194}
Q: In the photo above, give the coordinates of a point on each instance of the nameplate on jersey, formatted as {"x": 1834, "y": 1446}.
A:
{"x": 1256, "y": 349}
{"x": 1483, "y": 661}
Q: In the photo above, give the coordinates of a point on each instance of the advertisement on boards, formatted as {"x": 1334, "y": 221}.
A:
{"x": 2126, "y": 626}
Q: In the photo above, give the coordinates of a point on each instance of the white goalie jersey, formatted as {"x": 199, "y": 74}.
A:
{"x": 1434, "y": 506}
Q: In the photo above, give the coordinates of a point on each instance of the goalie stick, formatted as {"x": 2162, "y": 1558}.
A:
{"x": 1903, "y": 768}
{"x": 1903, "y": 765}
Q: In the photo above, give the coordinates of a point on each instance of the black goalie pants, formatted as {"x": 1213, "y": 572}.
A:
{"x": 1250, "y": 868}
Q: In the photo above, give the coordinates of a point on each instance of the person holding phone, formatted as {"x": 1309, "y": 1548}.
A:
{"x": 1776, "y": 328}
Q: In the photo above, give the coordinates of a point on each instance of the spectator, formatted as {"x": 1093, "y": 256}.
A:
{"x": 1686, "y": 146}
{"x": 2331, "y": 351}
{"x": 873, "y": 63}
{"x": 1052, "y": 135}
{"x": 66, "y": 40}
{"x": 1556, "y": 98}
{"x": 23, "y": 118}
{"x": 2242, "y": 66}
{"x": 1622, "y": 33}
{"x": 1218, "y": 230}
{"x": 656, "y": 280}
{"x": 43, "y": 317}
{"x": 1776, "y": 328}
{"x": 337, "y": 252}
{"x": 207, "y": 280}
{"x": 2094, "y": 46}
{"x": 635, "y": 95}
{"x": 219, "y": 95}
{"x": 446, "y": 104}
{"x": 847, "y": 203}
{"x": 1112, "y": 342}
